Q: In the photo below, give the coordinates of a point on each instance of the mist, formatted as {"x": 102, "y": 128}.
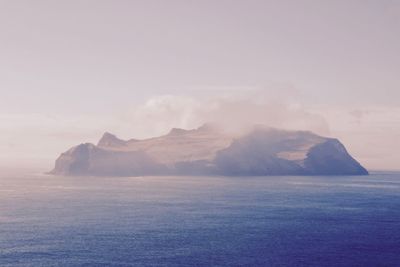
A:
{"x": 71, "y": 71}
{"x": 37, "y": 139}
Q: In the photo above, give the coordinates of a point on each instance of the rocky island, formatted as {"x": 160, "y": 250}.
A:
{"x": 210, "y": 151}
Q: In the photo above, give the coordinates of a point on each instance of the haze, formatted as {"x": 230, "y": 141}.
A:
{"x": 71, "y": 70}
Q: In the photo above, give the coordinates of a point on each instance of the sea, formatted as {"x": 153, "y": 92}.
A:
{"x": 199, "y": 221}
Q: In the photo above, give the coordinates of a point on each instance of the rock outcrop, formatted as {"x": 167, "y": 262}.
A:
{"x": 209, "y": 151}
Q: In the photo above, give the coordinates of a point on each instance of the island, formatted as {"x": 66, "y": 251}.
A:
{"x": 208, "y": 150}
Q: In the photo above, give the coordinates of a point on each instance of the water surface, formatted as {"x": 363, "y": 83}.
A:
{"x": 200, "y": 221}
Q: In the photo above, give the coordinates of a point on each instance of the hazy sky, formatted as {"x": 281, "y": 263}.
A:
{"x": 70, "y": 70}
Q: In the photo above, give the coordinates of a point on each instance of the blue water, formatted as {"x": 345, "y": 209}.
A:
{"x": 200, "y": 221}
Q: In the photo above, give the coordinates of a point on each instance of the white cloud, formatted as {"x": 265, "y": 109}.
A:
{"x": 161, "y": 113}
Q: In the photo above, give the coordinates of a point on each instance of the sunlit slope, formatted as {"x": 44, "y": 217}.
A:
{"x": 210, "y": 151}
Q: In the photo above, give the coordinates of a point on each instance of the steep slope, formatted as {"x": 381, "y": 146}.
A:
{"x": 209, "y": 151}
{"x": 275, "y": 152}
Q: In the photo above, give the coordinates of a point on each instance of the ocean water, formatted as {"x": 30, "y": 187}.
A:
{"x": 200, "y": 221}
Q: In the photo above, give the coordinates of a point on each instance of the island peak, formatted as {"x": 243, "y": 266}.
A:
{"x": 110, "y": 140}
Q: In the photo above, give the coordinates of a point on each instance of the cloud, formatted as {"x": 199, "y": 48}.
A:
{"x": 234, "y": 112}
{"x": 370, "y": 134}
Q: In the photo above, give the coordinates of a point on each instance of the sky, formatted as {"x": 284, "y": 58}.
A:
{"x": 71, "y": 70}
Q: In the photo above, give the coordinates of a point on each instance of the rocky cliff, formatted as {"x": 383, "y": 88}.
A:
{"x": 209, "y": 151}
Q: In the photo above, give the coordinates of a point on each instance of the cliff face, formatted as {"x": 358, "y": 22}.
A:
{"x": 207, "y": 151}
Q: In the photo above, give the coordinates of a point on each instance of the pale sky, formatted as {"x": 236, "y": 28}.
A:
{"x": 70, "y": 70}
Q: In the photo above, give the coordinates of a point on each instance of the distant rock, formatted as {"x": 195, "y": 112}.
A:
{"x": 209, "y": 151}
{"x": 110, "y": 140}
